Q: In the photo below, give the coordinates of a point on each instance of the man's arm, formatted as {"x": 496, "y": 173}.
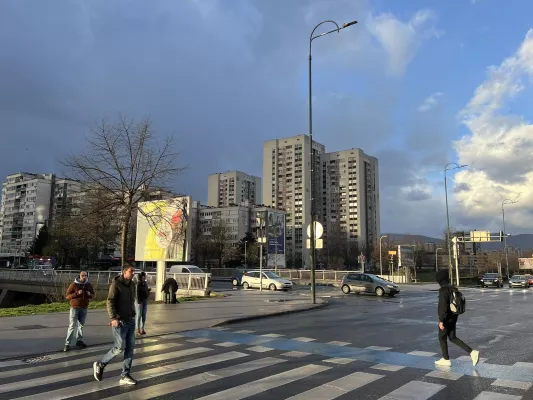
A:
{"x": 112, "y": 298}
{"x": 72, "y": 293}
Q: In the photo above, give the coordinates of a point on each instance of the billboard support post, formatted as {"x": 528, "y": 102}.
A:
{"x": 160, "y": 280}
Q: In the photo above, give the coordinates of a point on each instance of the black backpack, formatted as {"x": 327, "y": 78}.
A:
{"x": 457, "y": 302}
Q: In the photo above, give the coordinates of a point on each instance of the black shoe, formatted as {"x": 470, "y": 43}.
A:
{"x": 127, "y": 380}
{"x": 80, "y": 344}
{"x": 98, "y": 371}
{"x": 66, "y": 348}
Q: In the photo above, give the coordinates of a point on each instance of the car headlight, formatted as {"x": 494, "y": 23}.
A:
{"x": 390, "y": 286}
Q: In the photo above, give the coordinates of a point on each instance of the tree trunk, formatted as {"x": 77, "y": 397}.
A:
{"x": 124, "y": 235}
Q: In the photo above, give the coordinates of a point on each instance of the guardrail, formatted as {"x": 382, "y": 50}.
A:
{"x": 99, "y": 278}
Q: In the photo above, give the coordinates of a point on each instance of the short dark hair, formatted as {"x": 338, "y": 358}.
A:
{"x": 86, "y": 272}
{"x": 125, "y": 267}
{"x": 141, "y": 274}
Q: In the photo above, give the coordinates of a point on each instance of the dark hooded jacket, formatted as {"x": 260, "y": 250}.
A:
{"x": 121, "y": 298}
{"x": 445, "y": 295}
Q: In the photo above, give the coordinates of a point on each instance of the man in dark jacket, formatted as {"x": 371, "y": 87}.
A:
{"x": 121, "y": 311}
{"x": 448, "y": 322}
{"x": 79, "y": 292}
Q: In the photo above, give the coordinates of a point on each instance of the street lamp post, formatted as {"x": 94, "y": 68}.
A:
{"x": 505, "y": 202}
{"x": 312, "y": 224}
{"x": 447, "y": 168}
{"x": 437, "y": 259}
{"x": 380, "y": 263}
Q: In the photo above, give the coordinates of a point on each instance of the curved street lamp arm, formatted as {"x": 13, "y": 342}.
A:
{"x": 312, "y": 37}
{"x": 457, "y": 166}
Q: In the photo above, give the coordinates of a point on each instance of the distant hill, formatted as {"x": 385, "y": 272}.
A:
{"x": 523, "y": 241}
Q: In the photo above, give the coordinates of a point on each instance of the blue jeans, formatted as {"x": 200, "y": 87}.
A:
{"x": 140, "y": 314}
{"x": 124, "y": 338}
{"x": 77, "y": 317}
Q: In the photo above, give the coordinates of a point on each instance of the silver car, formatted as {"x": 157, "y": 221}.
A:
{"x": 520, "y": 281}
{"x": 368, "y": 283}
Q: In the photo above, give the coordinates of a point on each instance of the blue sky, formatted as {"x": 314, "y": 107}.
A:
{"x": 222, "y": 76}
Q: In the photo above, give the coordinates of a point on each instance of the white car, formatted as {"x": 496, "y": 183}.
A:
{"x": 252, "y": 279}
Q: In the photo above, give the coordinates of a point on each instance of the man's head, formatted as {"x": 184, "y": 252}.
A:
{"x": 128, "y": 271}
{"x": 83, "y": 276}
{"x": 442, "y": 277}
{"x": 142, "y": 276}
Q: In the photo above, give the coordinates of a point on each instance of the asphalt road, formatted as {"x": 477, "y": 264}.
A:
{"x": 359, "y": 347}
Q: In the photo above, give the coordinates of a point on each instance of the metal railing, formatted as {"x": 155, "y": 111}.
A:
{"x": 185, "y": 281}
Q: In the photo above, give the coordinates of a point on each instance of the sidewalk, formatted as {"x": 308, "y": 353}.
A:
{"x": 39, "y": 334}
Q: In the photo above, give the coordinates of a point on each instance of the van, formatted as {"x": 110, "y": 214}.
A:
{"x": 188, "y": 269}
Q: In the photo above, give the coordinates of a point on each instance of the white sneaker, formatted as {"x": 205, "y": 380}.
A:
{"x": 443, "y": 363}
{"x": 475, "y": 357}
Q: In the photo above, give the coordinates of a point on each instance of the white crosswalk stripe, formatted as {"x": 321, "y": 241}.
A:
{"x": 225, "y": 370}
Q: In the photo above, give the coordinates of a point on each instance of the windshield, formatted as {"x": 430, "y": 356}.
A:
{"x": 271, "y": 275}
{"x": 377, "y": 277}
{"x": 491, "y": 275}
{"x": 195, "y": 270}
{"x": 518, "y": 277}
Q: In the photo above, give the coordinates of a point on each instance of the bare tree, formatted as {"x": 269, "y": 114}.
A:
{"x": 336, "y": 245}
{"x": 219, "y": 240}
{"x": 122, "y": 161}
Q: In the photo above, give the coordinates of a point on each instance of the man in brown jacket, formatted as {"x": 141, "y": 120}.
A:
{"x": 80, "y": 292}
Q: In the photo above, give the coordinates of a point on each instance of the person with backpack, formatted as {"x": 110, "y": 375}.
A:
{"x": 451, "y": 304}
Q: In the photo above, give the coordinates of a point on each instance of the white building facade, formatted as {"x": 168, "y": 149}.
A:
{"x": 232, "y": 188}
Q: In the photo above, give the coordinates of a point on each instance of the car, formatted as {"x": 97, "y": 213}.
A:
{"x": 491, "y": 279}
{"x": 252, "y": 279}
{"x": 518, "y": 281}
{"x": 236, "y": 279}
{"x": 358, "y": 282}
{"x": 530, "y": 279}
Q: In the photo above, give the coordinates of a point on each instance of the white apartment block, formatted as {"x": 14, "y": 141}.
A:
{"x": 286, "y": 173}
{"x": 24, "y": 209}
{"x": 67, "y": 197}
{"x": 351, "y": 195}
{"x": 233, "y": 187}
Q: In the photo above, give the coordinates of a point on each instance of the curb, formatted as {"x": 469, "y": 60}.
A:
{"x": 324, "y": 304}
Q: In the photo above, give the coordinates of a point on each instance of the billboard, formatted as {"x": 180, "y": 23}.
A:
{"x": 525, "y": 263}
{"x": 406, "y": 256}
{"x": 163, "y": 231}
{"x": 274, "y": 227}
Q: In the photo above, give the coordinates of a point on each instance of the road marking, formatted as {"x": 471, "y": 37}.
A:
{"x": 197, "y": 380}
{"x": 94, "y": 387}
{"x": 273, "y": 335}
{"x": 414, "y": 390}
{"x": 79, "y": 361}
{"x": 259, "y": 349}
{"x": 338, "y": 387}
{"x": 388, "y": 367}
{"x": 422, "y": 353}
{"x": 339, "y": 360}
{"x": 226, "y": 344}
{"x": 172, "y": 336}
{"x": 337, "y": 343}
{"x": 262, "y": 385}
{"x": 198, "y": 340}
{"x": 521, "y": 364}
{"x": 115, "y": 366}
{"x": 244, "y": 331}
{"x": 511, "y": 384}
{"x": 219, "y": 328}
{"x": 444, "y": 375}
{"x": 304, "y": 339}
{"x": 297, "y": 354}
{"x": 378, "y": 348}
{"x": 496, "y": 396}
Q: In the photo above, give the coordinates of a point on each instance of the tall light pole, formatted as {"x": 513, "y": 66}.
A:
{"x": 437, "y": 259}
{"x": 505, "y": 202}
{"x": 380, "y": 264}
{"x": 312, "y": 224}
{"x": 447, "y": 168}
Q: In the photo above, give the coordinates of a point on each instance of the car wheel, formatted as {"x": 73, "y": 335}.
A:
{"x": 379, "y": 291}
{"x": 346, "y": 289}
{"x": 245, "y": 285}
{"x": 510, "y": 287}
{"x": 235, "y": 282}
{"x": 272, "y": 287}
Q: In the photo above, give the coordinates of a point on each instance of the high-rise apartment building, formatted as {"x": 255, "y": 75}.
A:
{"x": 233, "y": 187}
{"x": 350, "y": 181}
{"x": 286, "y": 173}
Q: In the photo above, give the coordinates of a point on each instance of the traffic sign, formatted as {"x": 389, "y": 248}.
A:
{"x": 319, "y": 230}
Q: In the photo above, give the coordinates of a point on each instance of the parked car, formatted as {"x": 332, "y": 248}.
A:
{"x": 252, "y": 279}
{"x": 491, "y": 279}
{"x": 530, "y": 279}
{"x": 236, "y": 279}
{"x": 518, "y": 281}
{"x": 368, "y": 283}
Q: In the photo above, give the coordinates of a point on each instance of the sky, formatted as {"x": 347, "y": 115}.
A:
{"x": 417, "y": 84}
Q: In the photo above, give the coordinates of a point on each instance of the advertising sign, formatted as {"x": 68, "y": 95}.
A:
{"x": 163, "y": 232}
{"x": 406, "y": 256}
{"x": 275, "y": 227}
{"x": 525, "y": 263}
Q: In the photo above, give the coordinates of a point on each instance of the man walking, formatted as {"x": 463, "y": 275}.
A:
{"x": 448, "y": 322}
{"x": 121, "y": 311}
{"x": 79, "y": 292}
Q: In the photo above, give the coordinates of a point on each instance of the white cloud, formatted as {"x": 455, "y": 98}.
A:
{"x": 402, "y": 40}
{"x": 430, "y": 102}
{"x": 499, "y": 148}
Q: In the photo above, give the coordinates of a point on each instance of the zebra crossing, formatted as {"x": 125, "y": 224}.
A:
{"x": 223, "y": 364}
